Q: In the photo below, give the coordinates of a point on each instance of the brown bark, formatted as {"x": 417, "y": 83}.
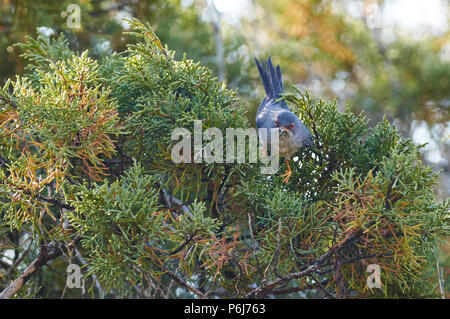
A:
{"x": 46, "y": 253}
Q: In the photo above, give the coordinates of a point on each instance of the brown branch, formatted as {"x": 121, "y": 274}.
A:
{"x": 267, "y": 288}
{"x": 19, "y": 260}
{"x": 289, "y": 290}
{"x": 186, "y": 285}
{"x": 341, "y": 290}
{"x": 9, "y": 101}
{"x": 4, "y": 162}
{"x": 387, "y": 201}
{"x": 318, "y": 284}
{"x": 56, "y": 202}
{"x": 46, "y": 253}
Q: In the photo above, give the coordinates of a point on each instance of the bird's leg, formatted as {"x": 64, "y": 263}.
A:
{"x": 263, "y": 151}
{"x": 287, "y": 174}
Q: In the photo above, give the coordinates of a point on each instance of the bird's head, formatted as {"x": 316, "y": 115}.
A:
{"x": 288, "y": 123}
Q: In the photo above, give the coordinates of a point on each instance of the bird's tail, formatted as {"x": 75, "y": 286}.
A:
{"x": 271, "y": 80}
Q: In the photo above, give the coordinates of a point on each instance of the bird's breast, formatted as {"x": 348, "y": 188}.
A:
{"x": 287, "y": 145}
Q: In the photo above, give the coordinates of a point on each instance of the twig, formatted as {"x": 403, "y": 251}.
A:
{"x": 341, "y": 289}
{"x": 267, "y": 288}
{"x": 4, "y": 162}
{"x": 305, "y": 287}
{"x": 9, "y": 101}
{"x": 170, "y": 200}
{"x": 186, "y": 285}
{"x": 322, "y": 288}
{"x": 272, "y": 266}
{"x": 55, "y": 271}
{"x": 46, "y": 253}
{"x": 439, "y": 274}
{"x": 97, "y": 282}
{"x": 56, "y": 202}
{"x": 254, "y": 245}
{"x": 19, "y": 260}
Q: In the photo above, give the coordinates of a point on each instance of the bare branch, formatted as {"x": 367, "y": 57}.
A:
{"x": 186, "y": 285}
{"x": 97, "y": 282}
{"x": 171, "y": 201}
{"x": 265, "y": 289}
{"x": 46, "y": 253}
{"x": 440, "y": 275}
{"x": 19, "y": 260}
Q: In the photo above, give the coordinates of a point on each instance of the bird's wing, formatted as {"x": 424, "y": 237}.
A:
{"x": 264, "y": 118}
{"x": 262, "y": 105}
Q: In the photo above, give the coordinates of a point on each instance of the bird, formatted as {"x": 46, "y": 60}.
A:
{"x": 274, "y": 113}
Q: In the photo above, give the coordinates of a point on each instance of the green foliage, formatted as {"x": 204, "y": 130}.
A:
{"x": 158, "y": 94}
{"x": 356, "y": 183}
{"x": 42, "y": 53}
{"x": 118, "y": 222}
{"x": 360, "y": 196}
{"x": 61, "y": 127}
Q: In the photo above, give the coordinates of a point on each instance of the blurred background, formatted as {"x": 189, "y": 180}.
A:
{"x": 383, "y": 57}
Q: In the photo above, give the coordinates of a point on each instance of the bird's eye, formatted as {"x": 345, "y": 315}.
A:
{"x": 276, "y": 123}
{"x": 291, "y": 126}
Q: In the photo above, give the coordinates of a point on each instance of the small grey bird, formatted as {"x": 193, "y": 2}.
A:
{"x": 276, "y": 114}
